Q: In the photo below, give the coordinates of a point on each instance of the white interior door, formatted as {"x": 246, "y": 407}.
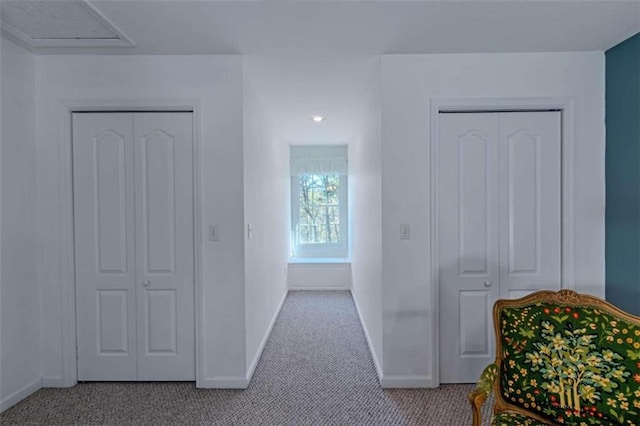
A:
{"x": 499, "y": 212}
{"x": 468, "y": 254}
{"x": 133, "y": 213}
{"x": 105, "y": 246}
{"x": 164, "y": 246}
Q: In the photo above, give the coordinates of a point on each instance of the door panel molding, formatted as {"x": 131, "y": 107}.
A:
{"x": 477, "y": 306}
{"x": 105, "y": 264}
{"x": 566, "y": 105}
{"x": 65, "y": 109}
{"x": 473, "y": 145}
{"x": 517, "y": 147}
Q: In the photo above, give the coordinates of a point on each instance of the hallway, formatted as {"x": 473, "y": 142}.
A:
{"x": 315, "y": 370}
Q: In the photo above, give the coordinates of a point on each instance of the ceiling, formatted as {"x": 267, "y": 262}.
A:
{"x": 289, "y": 89}
{"x": 362, "y": 27}
{"x": 309, "y": 57}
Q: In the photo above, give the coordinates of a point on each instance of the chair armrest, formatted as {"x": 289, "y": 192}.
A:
{"x": 482, "y": 391}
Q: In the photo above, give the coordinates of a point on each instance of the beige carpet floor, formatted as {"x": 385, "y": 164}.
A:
{"x": 316, "y": 369}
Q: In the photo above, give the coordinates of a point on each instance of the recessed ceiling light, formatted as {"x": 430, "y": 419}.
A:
{"x": 317, "y": 118}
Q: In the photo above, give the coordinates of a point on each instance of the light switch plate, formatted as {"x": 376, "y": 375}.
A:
{"x": 405, "y": 231}
{"x": 213, "y": 233}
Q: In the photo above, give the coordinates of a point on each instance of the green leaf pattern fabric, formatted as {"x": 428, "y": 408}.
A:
{"x": 488, "y": 378}
{"x": 514, "y": 419}
{"x": 571, "y": 365}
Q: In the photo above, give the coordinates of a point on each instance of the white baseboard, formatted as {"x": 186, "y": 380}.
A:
{"x": 366, "y": 335}
{"x": 319, "y": 288}
{"x": 20, "y": 394}
{"x": 222, "y": 383}
{"x": 390, "y": 382}
{"x": 53, "y": 382}
{"x": 254, "y": 363}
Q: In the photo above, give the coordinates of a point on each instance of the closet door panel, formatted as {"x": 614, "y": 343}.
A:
{"x": 530, "y": 202}
{"x": 164, "y": 233}
{"x": 104, "y": 242}
{"x": 467, "y": 192}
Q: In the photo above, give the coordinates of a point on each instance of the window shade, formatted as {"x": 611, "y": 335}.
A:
{"x": 330, "y": 159}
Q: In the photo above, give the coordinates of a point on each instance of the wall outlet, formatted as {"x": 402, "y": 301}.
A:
{"x": 213, "y": 233}
{"x": 405, "y": 232}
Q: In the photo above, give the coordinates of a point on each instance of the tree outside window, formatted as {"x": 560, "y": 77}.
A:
{"x": 319, "y": 202}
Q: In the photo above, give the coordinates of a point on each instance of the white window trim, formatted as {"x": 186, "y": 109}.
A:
{"x": 337, "y": 250}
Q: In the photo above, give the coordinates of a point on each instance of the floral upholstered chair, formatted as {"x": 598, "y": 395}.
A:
{"x": 562, "y": 358}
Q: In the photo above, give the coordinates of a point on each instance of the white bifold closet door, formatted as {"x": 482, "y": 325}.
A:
{"x": 134, "y": 245}
{"x": 499, "y": 225}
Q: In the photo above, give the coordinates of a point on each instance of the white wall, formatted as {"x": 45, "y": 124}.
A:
{"x": 365, "y": 211}
{"x": 217, "y": 82}
{"x": 319, "y": 276}
{"x": 409, "y": 82}
{"x": 20, "y": 366}
{"x": 380, "y": 108}
{"x": 266, "y": 206}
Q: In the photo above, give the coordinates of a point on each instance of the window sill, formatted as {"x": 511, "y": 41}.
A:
{"x": 319, "y": 260}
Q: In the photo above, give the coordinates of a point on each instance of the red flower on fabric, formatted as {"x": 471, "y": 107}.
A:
{"x": 636, "y": 378}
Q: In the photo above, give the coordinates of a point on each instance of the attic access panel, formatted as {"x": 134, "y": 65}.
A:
{"x": 70, "y": 23}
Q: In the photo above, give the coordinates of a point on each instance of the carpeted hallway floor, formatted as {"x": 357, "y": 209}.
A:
{"x": 316, "y": 369}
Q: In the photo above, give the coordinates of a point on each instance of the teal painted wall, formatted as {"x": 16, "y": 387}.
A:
{"x": 622, "y": 217}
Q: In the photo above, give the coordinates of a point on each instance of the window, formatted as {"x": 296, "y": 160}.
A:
{"x": 319, "y": 201}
